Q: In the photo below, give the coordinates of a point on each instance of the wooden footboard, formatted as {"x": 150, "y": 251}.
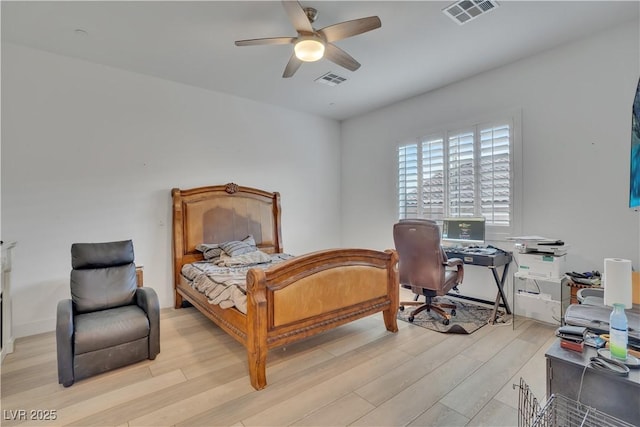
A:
{"x": 313, "y": 293}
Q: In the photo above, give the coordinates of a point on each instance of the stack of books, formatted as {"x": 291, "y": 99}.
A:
{"x": 572, "y": 337}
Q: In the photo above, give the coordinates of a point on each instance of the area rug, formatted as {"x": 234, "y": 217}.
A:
{"x": 468, "y": 319}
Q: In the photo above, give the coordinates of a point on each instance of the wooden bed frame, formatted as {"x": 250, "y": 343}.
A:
{"x": 292, "y": 300}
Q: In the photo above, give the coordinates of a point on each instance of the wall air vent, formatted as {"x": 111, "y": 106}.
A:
{"x": 331, "y": 79}
{"x": 464, "y": 11}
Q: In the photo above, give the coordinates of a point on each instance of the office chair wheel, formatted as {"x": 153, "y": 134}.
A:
{"x": 410, "y": 319}
{"x": 453, "y": 312}
{"x": 401, "y": 308}
{"x": 445, "y": 322}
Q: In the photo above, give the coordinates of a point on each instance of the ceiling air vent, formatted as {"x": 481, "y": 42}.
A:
{"x": 331, "y": 79}
{"x": 464, "y": 11}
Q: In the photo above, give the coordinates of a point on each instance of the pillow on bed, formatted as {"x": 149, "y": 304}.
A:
{"x": 236, "y": 247}
{"x": 209, "y": 250}
{"x": 214, "y": 250}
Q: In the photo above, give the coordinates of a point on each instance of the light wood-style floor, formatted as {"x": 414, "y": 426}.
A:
{"x": 358, "y": 374}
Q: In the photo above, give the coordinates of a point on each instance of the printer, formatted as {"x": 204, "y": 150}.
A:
{"x": 540, "y": 256}
{"x": 547, "y": 246}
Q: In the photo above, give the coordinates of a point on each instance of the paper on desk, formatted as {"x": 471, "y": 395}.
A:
{"x": 534, "y": 238}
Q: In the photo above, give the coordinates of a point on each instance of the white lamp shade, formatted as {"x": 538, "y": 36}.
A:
{"x": 617, "y": 281}
{"x": 309, "y": 49}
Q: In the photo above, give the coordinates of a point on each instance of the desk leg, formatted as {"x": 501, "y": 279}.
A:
{"x": 500, "y": 284}
{"x": 494, "y": 312}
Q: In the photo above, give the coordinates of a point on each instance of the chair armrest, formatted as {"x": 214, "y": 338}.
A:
{"x": 453, "y": 262}
{"x": 459, "y": 263}
{"x": 64, "y": 341}
{"x": 147, "y": 300}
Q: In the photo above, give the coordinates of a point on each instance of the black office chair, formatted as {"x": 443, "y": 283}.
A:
{"x": 109, "y": 322}
{"x": 423, "y": 266}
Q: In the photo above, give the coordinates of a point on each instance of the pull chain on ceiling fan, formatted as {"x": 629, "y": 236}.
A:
{"x": 312, "y": 45}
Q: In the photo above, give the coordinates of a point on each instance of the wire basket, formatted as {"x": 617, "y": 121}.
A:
{"x": 560, "y": 411}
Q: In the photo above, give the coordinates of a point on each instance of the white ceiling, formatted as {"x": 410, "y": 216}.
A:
{"x": 417, "y": 49}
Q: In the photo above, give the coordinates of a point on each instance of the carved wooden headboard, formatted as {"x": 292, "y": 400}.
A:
{"x": 222, "y": 213}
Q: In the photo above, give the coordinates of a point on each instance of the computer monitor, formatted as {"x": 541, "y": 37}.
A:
{"x": 465, "y": 231}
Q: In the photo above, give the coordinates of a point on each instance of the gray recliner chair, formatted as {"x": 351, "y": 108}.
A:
{"x": 109, "y": 322}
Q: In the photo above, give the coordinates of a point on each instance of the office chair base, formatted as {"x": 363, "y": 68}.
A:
{"x": 428, "y": 306}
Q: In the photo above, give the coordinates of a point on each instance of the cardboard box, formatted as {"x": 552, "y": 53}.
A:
{"x": 542, "y": 265}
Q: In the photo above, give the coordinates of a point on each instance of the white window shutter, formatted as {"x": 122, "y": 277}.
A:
{"x": 465, "y": 173}
{"x": 462, "y": 185}
{"x": 433, "y": 179}
{"x": 495, "y": 175}
{"x": 408, "y": 181}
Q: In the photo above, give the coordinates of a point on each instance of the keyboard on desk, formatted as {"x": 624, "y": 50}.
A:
{"x": 482, "y": 250}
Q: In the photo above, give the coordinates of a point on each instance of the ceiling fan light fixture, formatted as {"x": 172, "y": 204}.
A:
{"x": 310, "y": 44}
{"x": 309, "y": 49}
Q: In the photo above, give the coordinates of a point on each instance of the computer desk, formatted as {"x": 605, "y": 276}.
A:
{"x": 492, "y": 262}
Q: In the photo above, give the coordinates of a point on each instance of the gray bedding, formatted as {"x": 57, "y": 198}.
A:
{"x": 223, "y": 280}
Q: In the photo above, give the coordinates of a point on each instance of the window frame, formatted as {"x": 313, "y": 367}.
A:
{"x": 513, "y": 120}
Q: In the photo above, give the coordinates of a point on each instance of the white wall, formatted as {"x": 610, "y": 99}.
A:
{"x": 90, "y": 153}
{"x": 576, "y": 132}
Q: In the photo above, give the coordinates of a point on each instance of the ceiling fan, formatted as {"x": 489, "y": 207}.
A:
{"x": 312, "y": 45}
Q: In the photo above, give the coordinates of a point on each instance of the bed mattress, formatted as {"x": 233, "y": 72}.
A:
{"x": 224, "y": 280}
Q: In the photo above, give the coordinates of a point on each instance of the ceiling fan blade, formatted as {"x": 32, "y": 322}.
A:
{"x": 350, "y": 28}
{"x": 292, "y": 66}
{"x": 297, "y": 16}
{"x": 334, "y": 54}
{"x": 265, "y": 41}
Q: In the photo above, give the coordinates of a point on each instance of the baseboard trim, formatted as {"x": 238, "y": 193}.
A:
{"x": 34, "y": 328}
{"x": 7, "y": 348}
